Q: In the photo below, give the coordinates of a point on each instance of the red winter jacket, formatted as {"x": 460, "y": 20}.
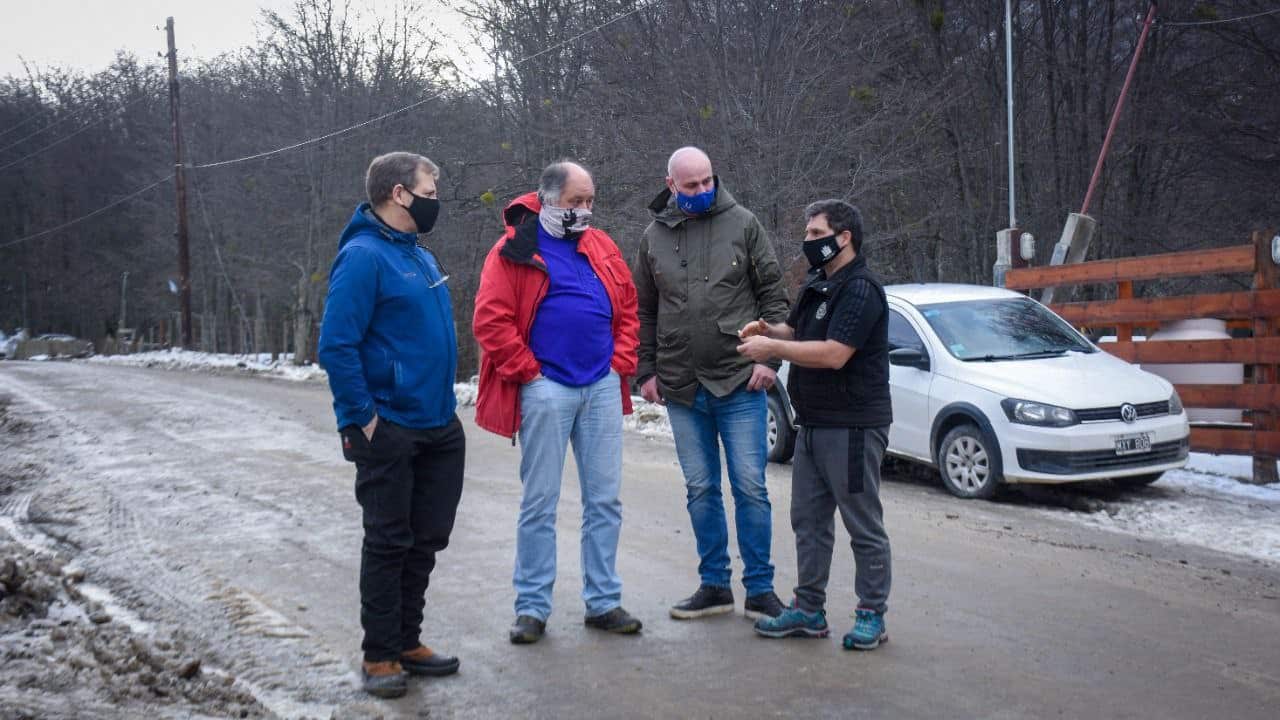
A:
{"x": 512, "y": 285}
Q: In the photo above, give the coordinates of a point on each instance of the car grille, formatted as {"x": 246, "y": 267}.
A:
{"x": 1073, "y": 463}
{"x": 1108, "y": 414}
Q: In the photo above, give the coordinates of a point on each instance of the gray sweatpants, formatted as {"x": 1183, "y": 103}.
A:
{"x": 839, "y": 469}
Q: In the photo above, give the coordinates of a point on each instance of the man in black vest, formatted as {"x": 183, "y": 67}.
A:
{"x": 837, "y": 342}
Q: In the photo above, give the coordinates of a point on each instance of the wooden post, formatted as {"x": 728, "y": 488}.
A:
{"x": 180, "y": 186}
{"x": 1266, "y": 276}
{"x": 1124, "y": 291}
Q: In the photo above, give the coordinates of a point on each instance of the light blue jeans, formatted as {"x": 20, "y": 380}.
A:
{"x": 740, "y": 419}
{"x": 551, "y": 416}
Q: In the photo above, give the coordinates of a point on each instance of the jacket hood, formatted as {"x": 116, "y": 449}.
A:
{"x": 518, "y": 211}
{"x": 664, "y": 208}
{"x": 363, "y": 221}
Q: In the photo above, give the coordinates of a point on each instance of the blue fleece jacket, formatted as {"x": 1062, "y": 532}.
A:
{"x": 387, "y": 340}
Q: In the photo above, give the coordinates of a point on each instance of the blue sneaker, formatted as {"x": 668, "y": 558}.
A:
{"x": 868, "y": 631}
{"x": 794, "y": 622}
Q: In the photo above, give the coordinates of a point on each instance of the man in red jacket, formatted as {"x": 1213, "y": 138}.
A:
{"x": 556, "y": 320}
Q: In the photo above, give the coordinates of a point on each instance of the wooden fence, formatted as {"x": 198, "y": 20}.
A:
{"x": 1254, "y": 311}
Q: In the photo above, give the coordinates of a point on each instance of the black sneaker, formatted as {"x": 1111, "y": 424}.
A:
{"x": 764, "y": 605}
{"x": 616, "y": 620}
{"x": 526, "y": 630}
{"x": 708, "y": 600}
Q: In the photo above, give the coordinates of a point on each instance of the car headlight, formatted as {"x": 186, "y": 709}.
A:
{"x": 1026, "y": 412}
{"x": 1175, "y": 404}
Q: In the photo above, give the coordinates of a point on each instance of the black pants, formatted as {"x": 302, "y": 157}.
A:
{"x": 408, "y": 482}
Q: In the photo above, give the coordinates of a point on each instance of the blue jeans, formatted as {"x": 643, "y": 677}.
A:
{"x": 740, "y": 419}
{"x": 552, "y": 415}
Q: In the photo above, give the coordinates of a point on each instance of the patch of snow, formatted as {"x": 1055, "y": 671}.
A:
{"x": 115, "y": 608}
{"x": 260, "y": 364}
{"x": 467, "y": 392}
{"x": 39, "y": 358}
{"x": 648, "y": 419}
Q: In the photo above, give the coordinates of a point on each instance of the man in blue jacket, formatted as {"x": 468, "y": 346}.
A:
{"x": 389, "y": 347}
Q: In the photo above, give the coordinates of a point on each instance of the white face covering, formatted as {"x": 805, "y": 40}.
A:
{"x": 559, "y": 222}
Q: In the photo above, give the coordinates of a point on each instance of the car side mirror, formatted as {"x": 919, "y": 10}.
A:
{"x": 909, "y": 357}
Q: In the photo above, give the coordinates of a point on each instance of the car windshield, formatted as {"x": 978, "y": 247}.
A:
{"x": 1005, "y": 329}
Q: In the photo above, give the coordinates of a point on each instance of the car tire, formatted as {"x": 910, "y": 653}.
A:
{"x": 968, "y": 463}
{"x": 781, "y": 437}
{"x": 1136, "y": 481}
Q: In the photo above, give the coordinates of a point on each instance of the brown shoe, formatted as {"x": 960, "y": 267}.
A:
{"x": 422, "y": 660}
{"x": 384, "y": 679}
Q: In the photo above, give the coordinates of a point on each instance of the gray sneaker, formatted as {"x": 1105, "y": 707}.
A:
{"x": 708, "y": 600}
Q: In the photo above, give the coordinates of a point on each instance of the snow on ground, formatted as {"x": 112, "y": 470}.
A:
{"x": 1200, "y": 509}
{"x": 260, "y": 364}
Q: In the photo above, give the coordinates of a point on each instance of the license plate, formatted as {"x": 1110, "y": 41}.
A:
{"x": 1133, "y": 444}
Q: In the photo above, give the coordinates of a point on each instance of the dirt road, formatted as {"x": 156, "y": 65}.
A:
{"x": 221, "y": 508}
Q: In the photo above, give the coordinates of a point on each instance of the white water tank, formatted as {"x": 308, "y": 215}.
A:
{"x": 1199, "y": 373}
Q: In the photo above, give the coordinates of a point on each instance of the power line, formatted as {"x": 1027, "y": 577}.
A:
{"x": 405, "y": 109}
{"x": 82, "y": 218}
{"x": 54, "y": 124}
{"x": 581, "y": 35}
{"x": 314, "y": 140}
{"x": 277, "y": 151}
{"x": 1219, "y": 22}
{"x": 66, "y": 137}
{"x": 21, "y": 124}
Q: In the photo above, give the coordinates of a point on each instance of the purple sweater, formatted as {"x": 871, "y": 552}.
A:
{"x": 572, "y": 334}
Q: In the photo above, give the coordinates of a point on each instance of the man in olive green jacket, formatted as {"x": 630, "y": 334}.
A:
{"x": 705, "y": 269}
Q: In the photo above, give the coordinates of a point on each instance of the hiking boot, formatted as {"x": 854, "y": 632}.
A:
{"x": 384, "y": 679}
{"x": 616, "y": 620}
{"x": 794, "y": 622}
{"x": 868, "y": 631}
{"x": 526, "y": 630}
{"x": 764, "y": 605}
{"x": 422, "y": 660}
{"x": 708, "y": 600}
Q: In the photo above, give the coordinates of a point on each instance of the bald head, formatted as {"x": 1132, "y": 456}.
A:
{"x": 689, "y": 172}
{"x": 566, "y": 184}
{"x": 688, "y": 161}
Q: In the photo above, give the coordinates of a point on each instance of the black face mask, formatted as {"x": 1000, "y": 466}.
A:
{"x": 424, "y": 211}
{"x": 821, "y": 251}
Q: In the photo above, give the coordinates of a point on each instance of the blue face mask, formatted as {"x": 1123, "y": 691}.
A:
{"x": 696, "y": 204}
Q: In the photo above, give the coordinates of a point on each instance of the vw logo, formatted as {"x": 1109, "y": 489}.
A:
{"x": 1128, "y": 413}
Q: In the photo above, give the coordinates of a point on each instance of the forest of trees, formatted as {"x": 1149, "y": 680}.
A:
{"x": 896, "y": 105}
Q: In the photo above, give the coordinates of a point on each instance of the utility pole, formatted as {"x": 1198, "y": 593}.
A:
{"x": 180, "y": 180}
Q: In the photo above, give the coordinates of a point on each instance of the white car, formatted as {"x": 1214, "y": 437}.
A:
{"x": 990, "y": 387}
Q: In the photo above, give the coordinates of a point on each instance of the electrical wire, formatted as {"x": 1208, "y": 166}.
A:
{"x": 86, "y": 216}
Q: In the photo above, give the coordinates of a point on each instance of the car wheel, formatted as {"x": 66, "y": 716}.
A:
{"x": 1136, "y": 481}
{"x": 967, "y": 464}
{"x": 781, "y": 436}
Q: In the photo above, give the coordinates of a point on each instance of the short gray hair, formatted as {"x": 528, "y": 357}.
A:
{"x": 551, "y": 183}
{"x": 840, "y": 216}
{"x": 392, "y": 169}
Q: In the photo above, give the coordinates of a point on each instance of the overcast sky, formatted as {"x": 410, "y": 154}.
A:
{"x": 87, "y": 35}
